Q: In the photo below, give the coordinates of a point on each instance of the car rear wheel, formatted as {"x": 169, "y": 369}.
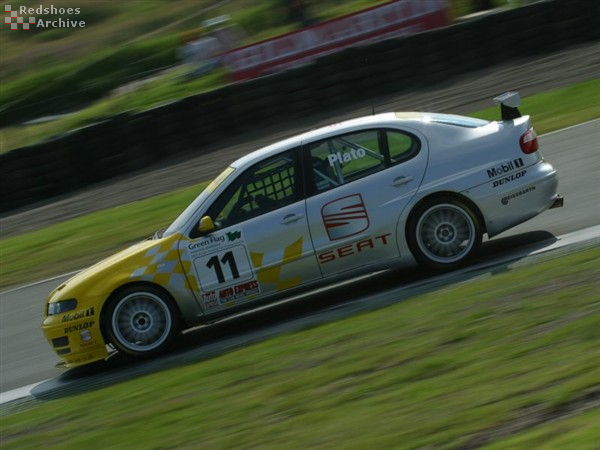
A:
{"x": 444, "y": 233}
{"x": 141, "y": 322}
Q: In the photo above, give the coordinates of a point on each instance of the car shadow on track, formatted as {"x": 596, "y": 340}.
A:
{"x": 374, "y": 291}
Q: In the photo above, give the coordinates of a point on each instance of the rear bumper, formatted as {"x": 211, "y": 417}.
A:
{"x": 507, "y": 205}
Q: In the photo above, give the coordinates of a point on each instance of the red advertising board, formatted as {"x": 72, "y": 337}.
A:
{"x": 393, "y": 19}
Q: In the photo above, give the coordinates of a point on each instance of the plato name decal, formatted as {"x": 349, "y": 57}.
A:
{"x": 346, "y": 157}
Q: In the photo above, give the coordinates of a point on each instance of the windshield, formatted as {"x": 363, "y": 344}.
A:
{"x": 193, "y": 207}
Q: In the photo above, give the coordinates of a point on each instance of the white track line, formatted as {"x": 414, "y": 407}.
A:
{"x": 568, "y": 128}
{"x": 18, "y": 393}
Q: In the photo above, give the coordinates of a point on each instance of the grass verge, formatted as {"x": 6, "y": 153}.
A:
{"x": 76, "y": 243}
{"x": 81, "y": 241}
{"x": 558, "y": 108}
{"x": 482, "y": 364}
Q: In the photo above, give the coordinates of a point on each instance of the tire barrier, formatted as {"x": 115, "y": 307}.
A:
{"x": 130, "y": 142}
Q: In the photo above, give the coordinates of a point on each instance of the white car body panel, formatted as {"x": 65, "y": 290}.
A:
{"x": 482, "y": 163}
{"x": 377, "y": 192}
{"x": 376, "y": 241}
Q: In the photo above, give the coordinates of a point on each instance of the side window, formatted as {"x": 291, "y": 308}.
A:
{"x": 345, "y": 158}
{"x": 401, "y": 146}
{"x": 264, "y": 187}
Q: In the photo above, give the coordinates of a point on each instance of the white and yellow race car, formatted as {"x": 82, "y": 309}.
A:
{"x": 370, "y": 193}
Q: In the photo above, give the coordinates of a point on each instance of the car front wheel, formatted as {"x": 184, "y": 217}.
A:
{"x": 141, "y": 322}
{"x": 444, "y": 233}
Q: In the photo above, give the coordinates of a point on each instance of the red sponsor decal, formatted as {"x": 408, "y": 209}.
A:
{"x": 393, "y": 19}
{"x": 216, "y": 298}
{"x": 353, "y": 249}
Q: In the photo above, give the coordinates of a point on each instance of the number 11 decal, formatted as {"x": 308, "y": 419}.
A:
{"x": 222, "y": 268}
{"x": 228, "y": 259}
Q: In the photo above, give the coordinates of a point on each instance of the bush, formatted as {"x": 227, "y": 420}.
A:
{"x": 72, "y": 85}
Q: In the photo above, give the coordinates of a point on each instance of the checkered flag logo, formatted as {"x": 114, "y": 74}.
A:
{"x": 14, "y": 20}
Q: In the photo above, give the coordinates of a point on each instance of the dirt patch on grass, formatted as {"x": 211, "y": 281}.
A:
{"x": 534, "y": 415}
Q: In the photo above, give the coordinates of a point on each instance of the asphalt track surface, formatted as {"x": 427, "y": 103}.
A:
{"x": 26, "y": 358}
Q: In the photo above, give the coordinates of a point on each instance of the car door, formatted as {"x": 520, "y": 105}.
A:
{"x": 261, "y": 244}
{"x": 359, "y": 183}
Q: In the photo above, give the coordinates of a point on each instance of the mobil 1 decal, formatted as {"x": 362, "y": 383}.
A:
{"x": 223, "y": 267}
{"x": 507, "y": 172}
{"x": 502, "y": 169}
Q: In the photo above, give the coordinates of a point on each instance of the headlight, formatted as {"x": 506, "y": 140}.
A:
{"x": 61, "y": 306}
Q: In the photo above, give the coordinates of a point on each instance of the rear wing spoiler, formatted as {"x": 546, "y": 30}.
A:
{"x": 509, "y": 101}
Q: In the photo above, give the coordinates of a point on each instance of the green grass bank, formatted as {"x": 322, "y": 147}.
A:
{"x": 503, "y": 361}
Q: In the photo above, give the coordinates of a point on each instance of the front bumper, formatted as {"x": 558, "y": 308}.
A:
{"x": 75, "y": 338}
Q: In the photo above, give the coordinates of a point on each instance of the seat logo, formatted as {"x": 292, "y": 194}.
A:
{"x": 345, "y": 217}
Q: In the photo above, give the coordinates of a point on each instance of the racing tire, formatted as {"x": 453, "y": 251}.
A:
{"x": 444, "y": 233}
{"x": 141, "y": 322}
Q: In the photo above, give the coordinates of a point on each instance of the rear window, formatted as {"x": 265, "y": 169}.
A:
{"x": 460, "y": 121}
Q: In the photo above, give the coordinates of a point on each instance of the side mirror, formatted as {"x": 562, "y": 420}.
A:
{"x": 206, "y": 225}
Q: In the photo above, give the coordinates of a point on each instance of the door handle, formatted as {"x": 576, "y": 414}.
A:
{"x": 401, "y": 180}
{"x": 291, "y": 218}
